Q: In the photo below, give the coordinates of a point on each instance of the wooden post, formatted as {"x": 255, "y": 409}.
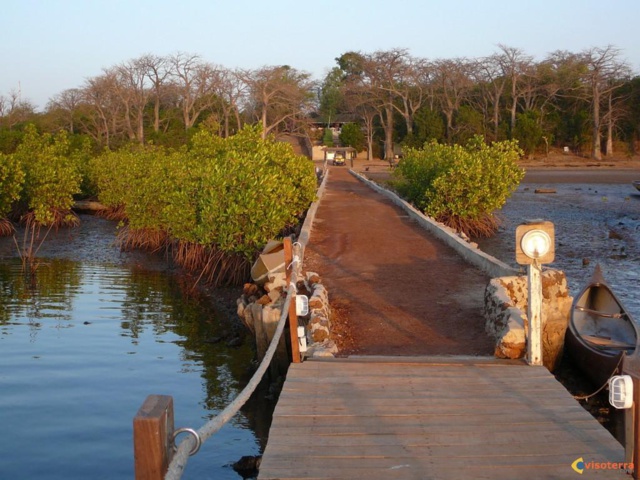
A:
{"x": 534, "y": 312}
{"x": 631, "y": 367}
{"x": 293, "y": 315}
{"x": 153, "y": 437}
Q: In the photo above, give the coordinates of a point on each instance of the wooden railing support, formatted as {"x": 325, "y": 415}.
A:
{"x": 631, "y": 367}
{"x": 153, "y": 437}
{"x": 293, "y": 316}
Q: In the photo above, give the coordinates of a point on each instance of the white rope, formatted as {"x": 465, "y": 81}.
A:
{"x": 181, "y": 456}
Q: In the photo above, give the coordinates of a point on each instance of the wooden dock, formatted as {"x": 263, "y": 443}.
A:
{"x": 431, "y": 418}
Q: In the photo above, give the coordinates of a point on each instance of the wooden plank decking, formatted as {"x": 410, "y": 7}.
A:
{"x": 431, "y": 418}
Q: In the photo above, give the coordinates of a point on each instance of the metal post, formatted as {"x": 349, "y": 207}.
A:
{"x": 534, "y": 313}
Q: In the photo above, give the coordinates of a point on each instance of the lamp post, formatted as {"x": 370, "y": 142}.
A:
{"x": 535, "y": 246}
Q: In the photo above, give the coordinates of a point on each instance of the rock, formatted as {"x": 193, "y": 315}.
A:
{"x": 274, "y": 295}
{"x": 234, "y": 342}
{"x": 585, "y": 262}
{"x": 506, "y": 318}
{"x": 312, "y": 279}
{"x": 249, "y": 289}
{"x": 614, "y": 235}
{"x": 215, "y": 340}
{"x": 247, "y": 466}
{"x": 264, "y": 300}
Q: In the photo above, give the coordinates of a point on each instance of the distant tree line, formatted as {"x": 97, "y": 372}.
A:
{"x": 588, "y": 101}
{"x": 154, "y": 99}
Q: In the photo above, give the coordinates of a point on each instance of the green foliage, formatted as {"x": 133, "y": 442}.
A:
{"x": 429, "y": 125}
{"x": 352, "y": 135}
{"x": 11, "y": 181}
{"x": 250, "y": 189}
{"x": 9, "y": 140}
{"x": 331, "y": 96}
{"x": 468, "y": 124}
{"x": 52, "y": 176}
{"x": 228, "y": 196}
{"x": 528, "y": 131}
{"x": 327, "y": 138}
{"x": 461, "y": 186}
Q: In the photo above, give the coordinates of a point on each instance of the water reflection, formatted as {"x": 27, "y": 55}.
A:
{"x": 86, "y": 339}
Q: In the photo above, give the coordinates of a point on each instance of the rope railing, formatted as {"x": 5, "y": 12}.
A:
{"x": 154, "y": 435}
{"x": 191, "y": 443}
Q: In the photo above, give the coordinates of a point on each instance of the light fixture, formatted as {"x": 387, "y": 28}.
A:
{"x": 534, "y": 247}
{"x": 535, "y": 244}
{"x": 621, "y": 391}
{"x": 302, "y": 305}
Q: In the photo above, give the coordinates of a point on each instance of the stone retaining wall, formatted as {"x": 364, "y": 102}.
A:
{"x": 260, "y": 309}
{"x": 506, "y": 319}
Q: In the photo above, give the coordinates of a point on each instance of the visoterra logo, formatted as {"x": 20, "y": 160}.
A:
{"x": 579, "y": 466}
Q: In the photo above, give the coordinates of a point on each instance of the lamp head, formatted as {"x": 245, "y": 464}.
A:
{"x": 535, "y": 242}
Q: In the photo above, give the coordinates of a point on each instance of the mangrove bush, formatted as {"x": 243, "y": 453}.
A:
{"x": 216, "y": 203}
{"x": 461, "y": 186}
{"x": 11, "y": 181}
{"x": 52, "y": 177}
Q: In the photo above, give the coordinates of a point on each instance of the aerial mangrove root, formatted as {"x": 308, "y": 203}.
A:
{"x": 143, "y": 238}
{"x": 484, "y": 226}
{"x": 6, "y": 227}
{"x": 117, "y": 214}
{"x": 213, "y": 266}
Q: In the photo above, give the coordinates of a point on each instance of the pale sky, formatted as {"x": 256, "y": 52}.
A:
{"x": 47, "y": 46}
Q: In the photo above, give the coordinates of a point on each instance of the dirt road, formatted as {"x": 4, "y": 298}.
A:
{"x": 395, "y": 289}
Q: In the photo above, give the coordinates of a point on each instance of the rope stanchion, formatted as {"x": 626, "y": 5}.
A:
{"x": 193, "y": 441}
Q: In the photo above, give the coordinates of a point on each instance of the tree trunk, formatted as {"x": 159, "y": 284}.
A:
{"x": 609, "y": 145}
{"x": 156, "y": 115}
{"x": 449, "y": 116}
{"x": 140, "y": 121}
{"x": 409, "y": 121}
{"x": 596, "y": 152}
{"x": 514, "y": 104}
{"x": 264, "y": 122}
{"x": 388, "y": 134}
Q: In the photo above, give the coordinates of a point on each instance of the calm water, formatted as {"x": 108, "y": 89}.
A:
{"x": 594, "y": 223}
{"x": 82, "y": 347}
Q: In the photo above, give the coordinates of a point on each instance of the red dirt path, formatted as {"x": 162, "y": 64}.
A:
{"x": 394, "y": 289}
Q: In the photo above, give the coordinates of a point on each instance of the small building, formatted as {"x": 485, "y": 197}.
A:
{"x": 348, "y": 153}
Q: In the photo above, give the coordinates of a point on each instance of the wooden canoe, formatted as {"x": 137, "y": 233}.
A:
{"x": 636, "y": 184}
{"x": 600, "y": 331}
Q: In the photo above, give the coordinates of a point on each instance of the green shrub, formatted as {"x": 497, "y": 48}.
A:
{"x": 11, "y": 180}
{"x": 327, "y": 138}
{"x": 52, "y": 177}
{"x": 351, "y": 135}
{"x": 217, "y": 202}
{"x": 528, "y": 132}
{"x": 461, "y": 186}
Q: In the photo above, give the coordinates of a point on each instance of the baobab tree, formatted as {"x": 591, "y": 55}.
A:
{"x": 604, "y": 74}
{"x": 278, "y": 96}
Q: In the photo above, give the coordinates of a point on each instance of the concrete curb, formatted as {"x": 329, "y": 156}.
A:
{"x": 305, "y": 231}
{"x": 476, "y": 257}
